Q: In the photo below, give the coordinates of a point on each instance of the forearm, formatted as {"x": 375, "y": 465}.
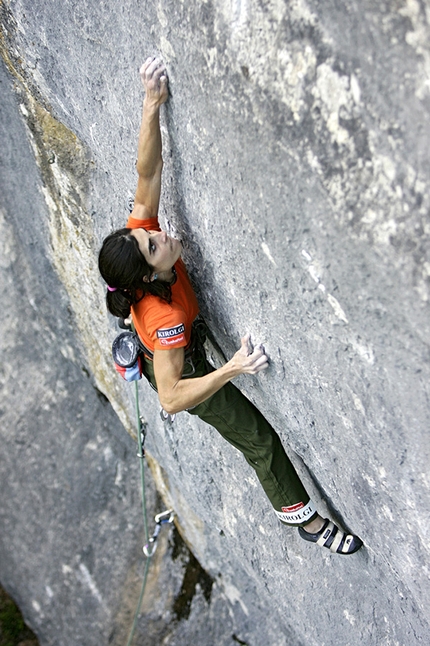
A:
{"x": 187, "y": 393}
{"x": 149, "y": 158}
{"x": 178, "y": 394}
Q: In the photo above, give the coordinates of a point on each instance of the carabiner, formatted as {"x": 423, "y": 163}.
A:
{"x": 152, "y": 541}
{"x": 166, "y": 417}
{"x": 165, "y": 517}
{"x": 188, "y": 361}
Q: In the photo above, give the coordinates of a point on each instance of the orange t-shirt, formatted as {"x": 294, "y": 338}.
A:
{"x": 161, "y": 325}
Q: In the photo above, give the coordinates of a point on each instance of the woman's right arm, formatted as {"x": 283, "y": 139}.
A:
{"x": 177, "y": 394}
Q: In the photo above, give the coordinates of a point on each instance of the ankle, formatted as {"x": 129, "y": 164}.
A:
{"x": 315, "y": 525}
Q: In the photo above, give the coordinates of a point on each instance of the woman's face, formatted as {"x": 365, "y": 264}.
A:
{"x": 159, "y": 250}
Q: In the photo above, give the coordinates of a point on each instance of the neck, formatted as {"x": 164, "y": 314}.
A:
{"x": 168, "y": 276}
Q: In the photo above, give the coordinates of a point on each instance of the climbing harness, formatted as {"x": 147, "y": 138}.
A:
{"x": 163, "y": 518}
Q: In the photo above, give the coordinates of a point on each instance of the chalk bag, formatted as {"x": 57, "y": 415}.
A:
{"x": 126, "y": 349}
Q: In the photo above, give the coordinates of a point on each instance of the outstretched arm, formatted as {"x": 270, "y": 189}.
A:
{"x": 149, "y": 160}
{"x": 178, "y": 394}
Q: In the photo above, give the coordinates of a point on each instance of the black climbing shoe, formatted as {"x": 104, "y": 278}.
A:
{"x": 333, "y": 538}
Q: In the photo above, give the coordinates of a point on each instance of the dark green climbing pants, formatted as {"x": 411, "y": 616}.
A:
{"x": 241, "y": 424}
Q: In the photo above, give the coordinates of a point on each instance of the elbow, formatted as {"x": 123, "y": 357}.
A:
{"x": 171, "y": 409}
{"x": 170, "y": 406}
{"x": 156, "y": 170}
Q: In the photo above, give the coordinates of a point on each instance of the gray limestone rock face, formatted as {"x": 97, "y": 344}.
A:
{"x": 71, "y": 525}
{"x": 296, "y": 148}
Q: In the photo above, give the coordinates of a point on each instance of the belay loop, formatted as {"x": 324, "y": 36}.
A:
{"x": 160, "y": 519}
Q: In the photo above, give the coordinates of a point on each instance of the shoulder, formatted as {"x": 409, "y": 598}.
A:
{"x": 162, "y": 323}
{"x": 157, "y": 313}
{"x": 151, "y": 306}
{"x": 150, "y": 224}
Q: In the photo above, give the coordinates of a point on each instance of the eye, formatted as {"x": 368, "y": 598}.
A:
{"x": 151, "y": 246}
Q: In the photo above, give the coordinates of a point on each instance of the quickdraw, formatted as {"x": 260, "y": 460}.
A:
{"x": 142, "y": 430}
{"x": 160, "y": 519}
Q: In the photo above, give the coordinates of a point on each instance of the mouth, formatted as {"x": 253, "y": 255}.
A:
{"x": 174, "y": 242}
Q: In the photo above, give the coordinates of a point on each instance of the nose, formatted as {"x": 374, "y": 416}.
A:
{"x": 159, "y": 236}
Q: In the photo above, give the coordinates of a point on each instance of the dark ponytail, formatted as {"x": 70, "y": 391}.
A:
{"x": 123, "y": 266}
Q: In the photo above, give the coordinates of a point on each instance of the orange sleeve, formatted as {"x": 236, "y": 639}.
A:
{"x": 151, "y": 224}
{"x": 171, "y": 337}
{"x": 166, "y": 328}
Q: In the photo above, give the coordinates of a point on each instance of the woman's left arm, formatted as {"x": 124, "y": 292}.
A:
{"x": 149, "y": 163}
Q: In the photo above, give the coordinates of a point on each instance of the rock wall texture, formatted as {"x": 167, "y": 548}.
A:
{"x": 297, "y": 163}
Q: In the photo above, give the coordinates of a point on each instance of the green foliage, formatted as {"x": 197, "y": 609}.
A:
{"x": 13, "y": 631}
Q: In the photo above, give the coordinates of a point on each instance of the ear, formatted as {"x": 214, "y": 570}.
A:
{"x": 145, "y": 279}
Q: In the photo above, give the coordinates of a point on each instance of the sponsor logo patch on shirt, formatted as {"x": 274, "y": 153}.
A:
{"x": 171, "y": 335}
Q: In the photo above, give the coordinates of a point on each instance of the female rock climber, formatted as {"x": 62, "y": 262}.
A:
{"x": 146, "y": 277}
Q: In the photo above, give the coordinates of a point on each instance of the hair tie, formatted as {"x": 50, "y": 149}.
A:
{"x": 112, "y": 289}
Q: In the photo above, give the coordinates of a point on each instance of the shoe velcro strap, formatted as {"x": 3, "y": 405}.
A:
{"x": 348, "y": 540}
{"x": 337, "y": 540}
{"x": 325, "y": 534}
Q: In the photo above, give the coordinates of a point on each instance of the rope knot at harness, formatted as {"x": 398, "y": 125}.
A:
{"x": 160, "y": 519}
